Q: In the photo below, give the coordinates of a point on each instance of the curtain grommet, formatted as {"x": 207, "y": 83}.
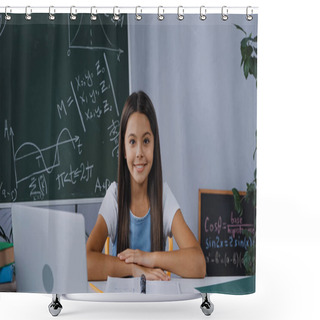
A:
{"x": 93, "y": 17}
{"x": 52, "y": 12}
{"x": 7, "y": 10}
{"x": 28, "y": 13}
{"x": 138, "y": 16}
{"x": 180, "y": 13}
{"x": 203, "y": 13}
{"x": 224, "y": 13}
{"x": 160, "y": 15}
{"x": 249, "y": 16}
{"x": 73, "y": 13}
{"x": 116, "y": 16}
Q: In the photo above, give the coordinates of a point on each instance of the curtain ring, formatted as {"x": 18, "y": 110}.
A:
{"x": 73, "y": 13}
{"x": 28, "y": 13}
{"x": 249, "y": 17}
{"x": 160, "y": 15}
{"x": 224, "y": 13}
{"x": 203, "y": 13}
{"x": 93, "y": 16}
{"x": 52, "y": 11}
{"x": 180, "y": 15}
{"x": 7, "y": 17}
{"x": 138, "y": 16}
{"x": 116, "y": 15}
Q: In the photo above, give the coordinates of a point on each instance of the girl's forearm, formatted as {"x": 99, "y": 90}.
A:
{"x": 100, "y": 266}
{"x": 187, "y": 262}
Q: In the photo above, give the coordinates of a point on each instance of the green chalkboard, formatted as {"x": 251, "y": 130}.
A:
{"x": 63, "y": 84}
{"x": 227, "y": 238}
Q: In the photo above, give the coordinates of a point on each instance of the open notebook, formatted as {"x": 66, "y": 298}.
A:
{"x": 133, "y": 285}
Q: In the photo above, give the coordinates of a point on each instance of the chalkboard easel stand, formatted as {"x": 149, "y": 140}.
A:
{"x": 206, "y": 306}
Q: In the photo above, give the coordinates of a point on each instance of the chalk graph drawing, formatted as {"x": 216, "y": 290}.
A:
{"x": 30, "y": 160}
{"x": 2, "y": 24}
{"x": 95, "y": 34}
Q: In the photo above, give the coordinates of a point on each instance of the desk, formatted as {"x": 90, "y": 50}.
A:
{"x": 187, "y": 288}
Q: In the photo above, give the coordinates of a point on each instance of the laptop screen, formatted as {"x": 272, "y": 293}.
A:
{"x": 49, "y": 248}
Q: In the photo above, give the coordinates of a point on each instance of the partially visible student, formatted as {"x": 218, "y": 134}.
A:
{"x": 139, "y": 212}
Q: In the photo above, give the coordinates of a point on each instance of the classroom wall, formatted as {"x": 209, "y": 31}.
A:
{"x": 206, "y": 108}
{"x": 206, "y": 111}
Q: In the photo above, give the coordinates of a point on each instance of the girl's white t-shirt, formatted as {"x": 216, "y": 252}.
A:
{"x": 109, "y": 210}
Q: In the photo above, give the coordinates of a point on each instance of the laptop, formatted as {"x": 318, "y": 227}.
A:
{"x": 50, "y": 250}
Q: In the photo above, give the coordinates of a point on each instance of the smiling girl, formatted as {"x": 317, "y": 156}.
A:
{"x": 139, "y": 212}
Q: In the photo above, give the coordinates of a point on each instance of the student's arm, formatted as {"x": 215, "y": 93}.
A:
{"x": 100, "y": 266}
{"x": 186, "y": 262}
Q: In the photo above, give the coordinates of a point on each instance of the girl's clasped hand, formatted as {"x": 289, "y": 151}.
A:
{"x": 137, "y": 256}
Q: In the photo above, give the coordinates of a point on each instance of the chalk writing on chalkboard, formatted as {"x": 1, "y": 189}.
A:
{"x": 83, "y": 36}
{"x": 91, "y": 92}
{"x": 32, "y": 162}
{"x": 224, "y": 236}
{"x": 59, "y": 135}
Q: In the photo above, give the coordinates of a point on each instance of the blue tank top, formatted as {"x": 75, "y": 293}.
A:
{"x": 139, "y": 233}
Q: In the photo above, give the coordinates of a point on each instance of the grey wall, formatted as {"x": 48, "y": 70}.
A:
{"x": 206, "y": 108}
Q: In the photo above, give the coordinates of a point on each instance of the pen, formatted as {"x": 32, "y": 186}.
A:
{"x": 95, "y": 288}
{"x": 143, "y": 284}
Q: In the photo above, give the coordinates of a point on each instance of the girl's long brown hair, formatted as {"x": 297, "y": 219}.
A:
{"x": 139, "y": 102}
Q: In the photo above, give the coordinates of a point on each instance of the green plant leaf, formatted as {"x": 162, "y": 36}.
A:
{"x": 238, "y": 27}
{"x": 254, "y": 199}
{"x": 254, "y": 67}
{"x": 249, "y": 261}
{"x": 237, "y": 201}
{"x": 254, "y": 154}
{"x": 243, "y": 52}
{"x": 244, "y": 42}
{"x": 251, "y": 66}
{"x": 246, "y": 69}
{"x": 249, "y": 51}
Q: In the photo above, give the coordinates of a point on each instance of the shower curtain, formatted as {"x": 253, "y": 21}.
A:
{"x": 64, "y": 79}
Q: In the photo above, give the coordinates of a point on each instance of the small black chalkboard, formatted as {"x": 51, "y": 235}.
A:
{"x": 225, "y": 236}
